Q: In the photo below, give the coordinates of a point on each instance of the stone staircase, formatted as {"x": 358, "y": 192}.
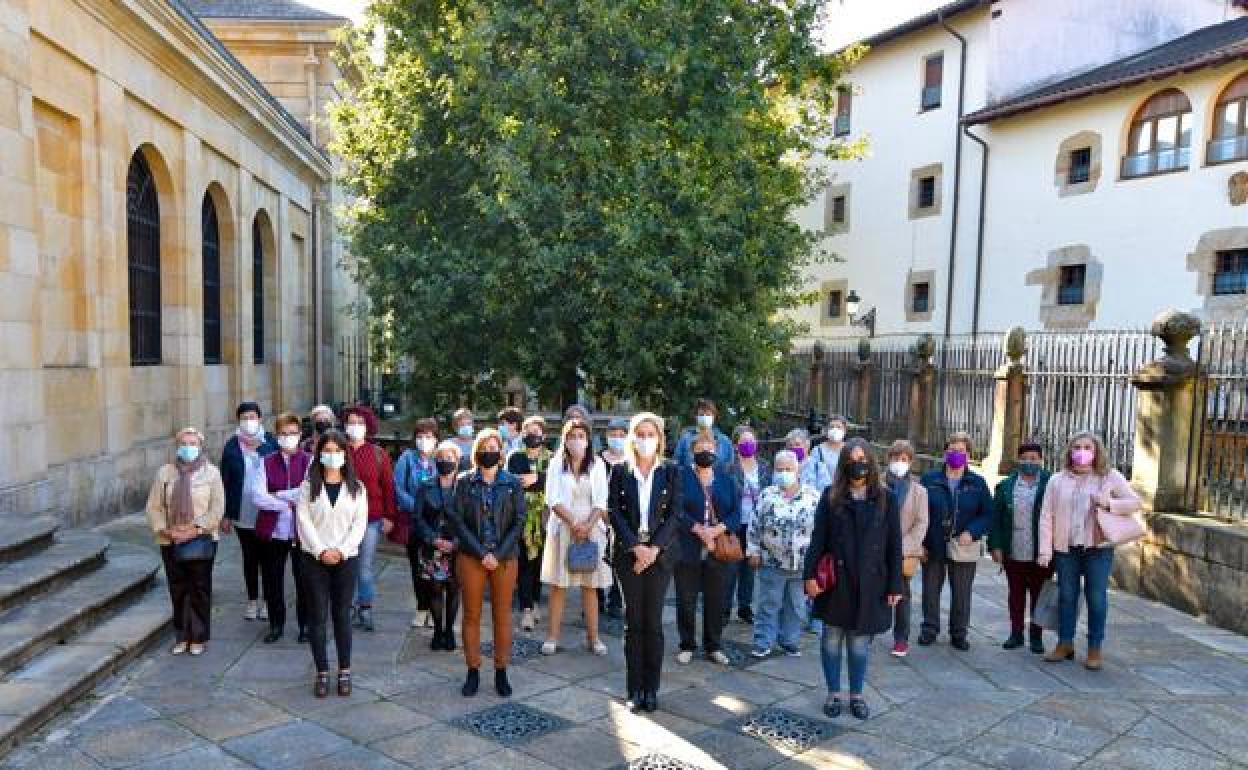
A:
{"x": 73, "y": 609}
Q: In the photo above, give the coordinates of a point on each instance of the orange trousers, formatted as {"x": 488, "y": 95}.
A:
{"x": 473, "y": 579}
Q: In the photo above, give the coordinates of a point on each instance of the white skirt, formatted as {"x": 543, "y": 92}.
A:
{"x": 555, "y": 558}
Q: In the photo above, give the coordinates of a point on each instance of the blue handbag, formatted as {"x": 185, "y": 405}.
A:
{"x": 201, "y": 548}
{"x": 583, "y": 557}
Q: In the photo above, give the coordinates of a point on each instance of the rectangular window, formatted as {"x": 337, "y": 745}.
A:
{"x": 838, "y": 210}
{"x": 927, "y": 192}
{"x": 1231, "y": 272}
{"x": 1070, "y": 284}
{"x": 844, "y": 106}
{"x": 1080, "y": 166}
{"x": 933, "y": 74}
{"x": 835, "y": 300}
{"x": 920, "y": 297}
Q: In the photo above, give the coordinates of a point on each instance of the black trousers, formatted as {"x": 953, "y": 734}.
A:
{"x": 444, "y": 604}
{"x": 643, "y": 608}
{"x": 707, "y": 577}
{"x": 422, "y": 588}
{"x": 330, "y": 591}
{"x": 190, "y": 591}
{"x": 961, "y": 576}
{"x": 529, "y": 584}
{"x": 251, "y": 546}
{"x": 273, "y": 555}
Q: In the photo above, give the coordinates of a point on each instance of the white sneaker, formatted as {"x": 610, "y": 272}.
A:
{"x": 684, "y": 657}
{"x": 549, "y": 647}
{"x": 262, "y": 612}
{"x": 598, "y": 648}
{"x": 253, "y": 609}
{"x": 421, "y": 619}
{"x": 719, "y": 657}
{"x": 527, "y": 620}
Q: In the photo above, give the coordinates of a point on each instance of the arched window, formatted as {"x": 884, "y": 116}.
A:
{"x": 1230, "y": 124}
{"x": 143, "y": 259}
{"x": 257, "y": 290}
{"x": 212, "y": 281}
{"x": 1161, "y": 136}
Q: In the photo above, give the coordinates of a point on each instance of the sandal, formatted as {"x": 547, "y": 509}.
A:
{"x": 321, "y": 688}
{"x": 344, "y": 683}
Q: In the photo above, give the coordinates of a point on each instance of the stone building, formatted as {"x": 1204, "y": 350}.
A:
{"x": 167, "y": 242}
{"x": 1019, "y": 166}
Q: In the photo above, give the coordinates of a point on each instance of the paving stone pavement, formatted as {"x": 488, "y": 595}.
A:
{"x": 1171, "y": 696}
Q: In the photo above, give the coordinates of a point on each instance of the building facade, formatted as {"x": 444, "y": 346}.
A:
{"x": 955, "y": 220}
{"x": 165, "y": 246}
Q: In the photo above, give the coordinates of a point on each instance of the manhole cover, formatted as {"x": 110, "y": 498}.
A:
{"x": 785, "y": 728}
{"x": 510, "y": 723}
{"x": 659, "y": 762}
{"x": 522, "y": 648}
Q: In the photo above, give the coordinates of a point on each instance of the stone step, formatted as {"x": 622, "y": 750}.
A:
{"x": 22, "y": 537}
{"x": 30, "y": 628}
{"x": 46, "y": 685}
{"x": 71, "y": 555}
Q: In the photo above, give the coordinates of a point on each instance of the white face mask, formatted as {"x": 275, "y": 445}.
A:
{"x": 577, "y": 446}
{"x": 333, "y": 459}
{"x": 705, "y": 421}
{"x": 899, "y": 468}
{"x": 647, "y": 447}
{"x": 249, "y": 426}
{"x": 426, "y": 444}
{"x": 786, "y": 479}
{"x": 357, "y": 432}
{"x": 288, "y": 442}
{"x": 836, "y": 434}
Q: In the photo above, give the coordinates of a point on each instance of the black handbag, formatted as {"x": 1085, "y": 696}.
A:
{"x": 199, "y": 548}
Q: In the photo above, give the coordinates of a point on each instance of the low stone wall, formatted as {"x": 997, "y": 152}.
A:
{"x": 1192, "y": 563}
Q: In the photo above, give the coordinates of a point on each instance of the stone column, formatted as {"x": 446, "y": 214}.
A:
{"x": 922, "y": 390}
{"x": 865, "y": 370}
{"x": 818, "y": 398}
{"x": 1165, "y": 424}
{"x": 1009, "y": 405}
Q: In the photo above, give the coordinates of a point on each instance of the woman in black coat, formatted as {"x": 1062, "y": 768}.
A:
{"x": 859, "y": 528}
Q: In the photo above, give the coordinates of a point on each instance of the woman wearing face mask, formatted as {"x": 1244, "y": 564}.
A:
{"x": 910, "y": 498}
{"x": 643, "y": 498}
{"x": 611, "y": 600}
{"x": 857, "y": 527}
{"x": 322, "y": 418}
{"x": 710, "y": 507}
{"x": 240, "y": 462}
{"x": 184, "y": 509}
{"x": 576, "y": 493}
{"x": 415, "y": 465}
{"x": 487, "y": 513}
{"x": 432, "y": 528}
{"x": 275, "y": 494}
{"x": 705, "y": 413}
{"x": 462, "y": 426}
{"x": 529, "y": 466}
{"x": 1015, "y": 541}
{"x": 1071, "y": 537}
{"x": 751, "y": 475}
{"x": 778, "y": 536}
{"x": 820, "y": 469}
{"x": 373, "y": 469}
{"x": 332, "y": 516}
{"x": 797, "y": 441}
{"x": 960, "y": 510}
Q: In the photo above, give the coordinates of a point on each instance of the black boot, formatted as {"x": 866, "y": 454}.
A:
{"x": 1037, "y": 640}
{"x": 448, "y": 640}
{"x": 501, "y": 685}
{"x": 471, "y": 683}
{"x": 436, "y": 642}
{"x": 1015, "y": 641}
{"x": 273, "y": 635}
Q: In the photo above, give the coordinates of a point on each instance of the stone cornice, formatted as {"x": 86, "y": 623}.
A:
{"x": 157, "y": 29}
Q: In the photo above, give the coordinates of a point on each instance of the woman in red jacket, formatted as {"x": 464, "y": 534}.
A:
{"x": 372, "y": 466}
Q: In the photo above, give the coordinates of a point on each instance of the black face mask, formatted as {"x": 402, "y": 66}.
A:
{"x": 533, "y": 441}
{"x": 857, "y": 470}
{"x": 487, "y": 459}
{"x": 446, "y": 467}
{"x": 324, "y": 426}
{"x": 704, "y": 459}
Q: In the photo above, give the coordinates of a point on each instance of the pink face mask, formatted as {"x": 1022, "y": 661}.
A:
{"x": 1082, "y": 457}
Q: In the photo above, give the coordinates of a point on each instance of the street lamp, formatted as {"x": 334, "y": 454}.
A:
{"x": 867, "y": 320}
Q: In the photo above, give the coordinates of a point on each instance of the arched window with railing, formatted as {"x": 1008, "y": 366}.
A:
{"x": 143, "y": 262}
{"x": 211, "y": 238}
{"x": 1230, "y": 124}
{"x": 1160, "y": 140}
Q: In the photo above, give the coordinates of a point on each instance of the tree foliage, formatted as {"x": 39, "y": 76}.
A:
{"x": 604, "y": 184}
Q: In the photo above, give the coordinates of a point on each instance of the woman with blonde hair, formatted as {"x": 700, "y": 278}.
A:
{"x": 1071, "y": 536}
{"x": 576, "y": 493}
{"x": 184, "y": 510}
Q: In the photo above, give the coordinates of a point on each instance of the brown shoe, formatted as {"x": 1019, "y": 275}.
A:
{"x": 1063, "y": 651}
{"x": 344, "y": 683}
{"x": 1094, "y": 662}
{"x": 320, "y": 688}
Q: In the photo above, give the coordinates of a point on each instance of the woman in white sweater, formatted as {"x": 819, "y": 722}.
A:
{"x": 332, "y": 516}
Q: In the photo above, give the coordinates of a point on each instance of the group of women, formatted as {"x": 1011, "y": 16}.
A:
{"x": 823, "y": 539}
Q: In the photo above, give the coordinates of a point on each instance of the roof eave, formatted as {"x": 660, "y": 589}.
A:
{"x": 920, "y": 22}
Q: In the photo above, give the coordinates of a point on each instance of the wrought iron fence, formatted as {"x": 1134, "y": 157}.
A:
{"x": 965, "y": 382}
{"x": 1221, "y": 476}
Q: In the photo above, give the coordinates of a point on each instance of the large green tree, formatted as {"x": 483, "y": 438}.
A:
{"x": 603, "y": 185}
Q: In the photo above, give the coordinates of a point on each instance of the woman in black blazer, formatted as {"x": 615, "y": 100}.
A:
{"x": 643, "y": 500}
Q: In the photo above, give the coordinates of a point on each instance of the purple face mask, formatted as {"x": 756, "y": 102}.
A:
{"x": 956, "y": 459}
{"x": 1082, "y": 457}
{"x": 800, "y": 452}
{"x": 748, "y": 447}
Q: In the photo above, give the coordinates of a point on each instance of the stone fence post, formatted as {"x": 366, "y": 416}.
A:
{"x": 922, "y": 392}
{"x": 865, "y": 382}
{"x": 1165, "y": 422}
{"x": 1009, "y": 405}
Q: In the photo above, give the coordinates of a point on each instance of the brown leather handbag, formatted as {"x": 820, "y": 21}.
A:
{"x": 727, "y": 545}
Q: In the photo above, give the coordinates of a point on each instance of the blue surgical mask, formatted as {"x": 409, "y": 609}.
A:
{"x": 505, "y": 432}
{"x": 785, "y": 479}
{"x": 616, "y": 443}
{"x": 333, "y": 460}
{"x": 464, "y": 431}
{"x": 188, "y": 453}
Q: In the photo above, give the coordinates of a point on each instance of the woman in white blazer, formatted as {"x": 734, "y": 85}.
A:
{"x": 332, "y": 516}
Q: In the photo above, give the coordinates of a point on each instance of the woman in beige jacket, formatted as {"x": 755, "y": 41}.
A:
{"x": 184, "y": 509}
{"x": 911, "y": 499}
{"x": 1071, "y": 538}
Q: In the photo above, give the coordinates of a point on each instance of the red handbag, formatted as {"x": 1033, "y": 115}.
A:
{"x": 825, "y": 573}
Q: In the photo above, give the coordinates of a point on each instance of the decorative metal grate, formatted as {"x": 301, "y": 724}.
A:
{"x": 786, "y": 729}
{"x": 522, "y": 648}
{"x": 1221, "y": 452}
{"x": 143, "y": 260}
{"x": 659, "y": 762}
{"x": 510, "y": 723}
{"x": 212, "y": 281}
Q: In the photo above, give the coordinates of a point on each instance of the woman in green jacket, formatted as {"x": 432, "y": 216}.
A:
{"x": 1014, "y": 538}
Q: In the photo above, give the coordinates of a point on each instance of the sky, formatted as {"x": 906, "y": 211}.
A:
{"x": 849, "y": 20}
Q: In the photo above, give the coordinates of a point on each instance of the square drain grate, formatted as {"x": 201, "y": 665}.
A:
{"x": 659, "y": 762}
{"x": 522, "y": 648}
{"x": 786, "y": 729}
{"x": 510, "y": 723}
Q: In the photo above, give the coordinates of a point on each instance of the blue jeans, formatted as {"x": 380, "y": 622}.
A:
{"x": 781, "y": 609}
{"x": 1093, "y": 566}
{"x": 858, "y": 646}
{"x": 740, "y": 580}
{"x": 366, "y": 585}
